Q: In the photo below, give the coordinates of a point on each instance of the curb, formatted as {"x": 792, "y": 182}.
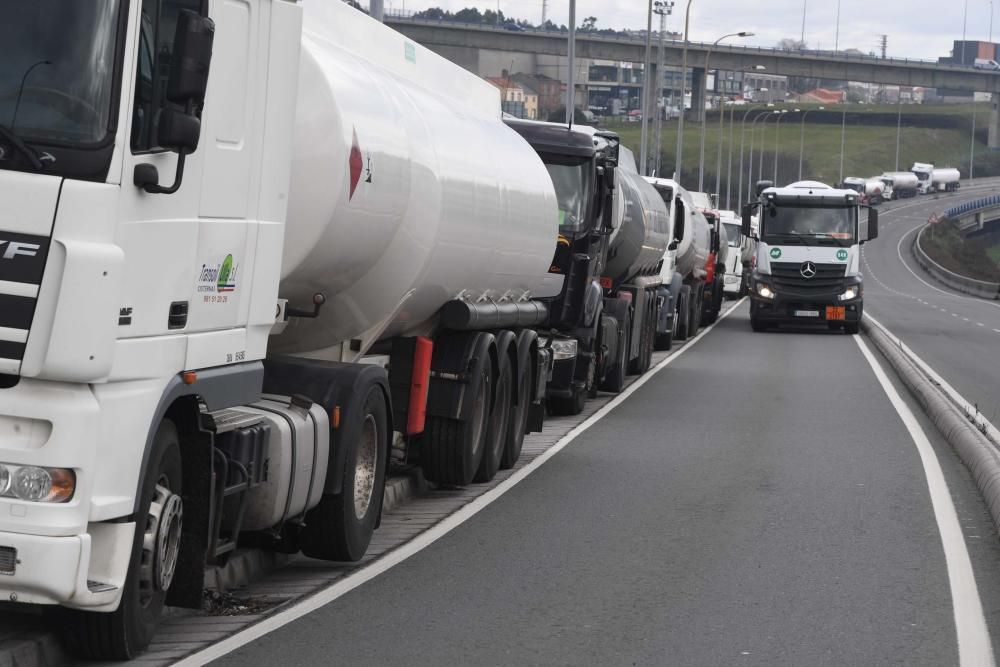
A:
{"x": 43, "y": 649}
{"x": 979, "y": 454}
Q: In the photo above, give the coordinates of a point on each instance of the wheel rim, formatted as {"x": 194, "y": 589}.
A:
{"x": 501, "y": 415}
{"x": 365, "y": 466}
{"x": 160, "y": 542}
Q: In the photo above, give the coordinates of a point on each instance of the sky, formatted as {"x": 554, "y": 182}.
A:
{"x": 922, "y": 29}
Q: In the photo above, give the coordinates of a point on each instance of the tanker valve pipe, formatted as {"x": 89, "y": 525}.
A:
{"x": 318, "y": 300}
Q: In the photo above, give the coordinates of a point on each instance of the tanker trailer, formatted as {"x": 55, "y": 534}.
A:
{"x": 295, "y": 256}
{"x": 904, "y": 184}
{"x": 631, "y": 277}
{"x": 582, "y": 163}
{"x": 933, "y": 179}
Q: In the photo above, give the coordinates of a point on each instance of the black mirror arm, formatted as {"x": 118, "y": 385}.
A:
{"x": 147, "y": 177}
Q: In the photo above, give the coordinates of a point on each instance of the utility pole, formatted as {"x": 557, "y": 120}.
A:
{"x": 679, "y": 155}
{"x": 836, "y": 37}
{"x": 570, "y": 65}
{"x": 802, "y": 38}
{"x": 965, "y": 16}
{"x": 883, "y": 43}
{"x": 663, "y": 9}
{"x": 647, "y": 89}
{"x": 545, "y": 11}
{"x": 377, "y": 10}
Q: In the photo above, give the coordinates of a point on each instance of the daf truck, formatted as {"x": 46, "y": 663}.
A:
{"x": 808, "y": 259}
{"x": 247, "y": 247}
{"x": 931, "y": 179}
{"x": 904, "y": 184}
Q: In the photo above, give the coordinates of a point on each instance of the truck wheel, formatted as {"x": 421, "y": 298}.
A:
{"x": 567, "y": 407}
{"x": 499, "y": 423}
{"x": 697, "y": 300}
{"x": 452, "y": 449}
{"x": 615, "y": 379}
{"x": 647, "y": 334}
{"x": 683, "y": 314}
{"x": 757, "y": 325}
{"x": 340, "y": 527}
{"x": 518, "y": 424}
{"x": 126, "y": 632}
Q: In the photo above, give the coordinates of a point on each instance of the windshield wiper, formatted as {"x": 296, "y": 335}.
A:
{"x": 19, "y": 144}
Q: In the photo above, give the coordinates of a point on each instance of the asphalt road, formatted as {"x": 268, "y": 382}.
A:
{"x": 957, "y": 335}
{"x": 759, "y": 501}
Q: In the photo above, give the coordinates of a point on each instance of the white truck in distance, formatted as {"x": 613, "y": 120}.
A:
{"x": 737, "y": 264}
{"x": 251, "y": 251}
{"x": 931, "y": 179}
{"x": 903, "y": 184}
{"x": 870, "y": 189}
{"x": 808, "y": 261}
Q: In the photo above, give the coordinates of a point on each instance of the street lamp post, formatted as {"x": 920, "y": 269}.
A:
{"x": 899, "y": 124}
{"x": 678, "y": 156}
{"x": 704, "y": 105}
{"x": 763, "y": 139}
{"x": 663, "y": 9}
{"x": 972, "y": 141}
{"x": 729, "y": 168}
{"x": 802, "y": 137}
{"x": 777, "y": 133}
{"x": 647, "y": 87}
{"x": 843, "y": 132}
{"x": 743, "y": 136}
{"x": 765, "y": 116}
{"x": 570, "y": 64}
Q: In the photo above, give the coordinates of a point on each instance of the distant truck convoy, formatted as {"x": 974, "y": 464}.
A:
{"x": 903, "y": 184}
{"x": 807, "y": 266}
{"x": 932, "y": 179}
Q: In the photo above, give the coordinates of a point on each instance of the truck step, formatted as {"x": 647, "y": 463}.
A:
{"x": 98, "y": 587}
{"x": 231, "y": 419}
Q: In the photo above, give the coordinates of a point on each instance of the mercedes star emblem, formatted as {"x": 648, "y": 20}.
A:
{"x": 808, "y": 270}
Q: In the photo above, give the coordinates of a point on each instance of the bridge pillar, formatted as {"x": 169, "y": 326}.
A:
{"x": 699, "y": 79}
{"x": 994, "y": 137}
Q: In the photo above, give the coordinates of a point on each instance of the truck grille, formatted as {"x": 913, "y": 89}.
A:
{"x": 787, "y": 276}
{"x": 8, "y": 560}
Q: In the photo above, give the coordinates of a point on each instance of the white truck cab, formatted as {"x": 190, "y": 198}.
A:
{"x": 808, "y": 256}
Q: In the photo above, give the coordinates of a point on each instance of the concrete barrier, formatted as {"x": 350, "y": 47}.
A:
{"x": 979, "y": 454}
{"x": 979, "y": 288}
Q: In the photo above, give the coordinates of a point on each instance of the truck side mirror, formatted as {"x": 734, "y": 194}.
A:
{"x": 762, "y": 185}
{"x": 872, "y": 231}
{"x": 187, "y": 85}
{"x": 747, "y": 220}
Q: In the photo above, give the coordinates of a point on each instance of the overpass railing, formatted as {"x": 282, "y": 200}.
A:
{"x": 837, "y": 56}
{"x": 973, "y": 206}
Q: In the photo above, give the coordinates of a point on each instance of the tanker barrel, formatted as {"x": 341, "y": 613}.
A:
{"x": 464, "y": 316}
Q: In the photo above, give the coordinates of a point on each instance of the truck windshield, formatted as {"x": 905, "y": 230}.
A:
{"x": 735, "y": 234}
{"x": 574, "y": 185}
{"x": 922, "y": 175}
{"x": 808, "y": 224}
{"x": 56, "y": 74}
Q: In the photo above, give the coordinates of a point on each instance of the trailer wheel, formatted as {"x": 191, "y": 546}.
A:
{"x": 697, "y": 303}
{"x": 452, "y": 449}
{"x": 126, "y": 632}
{"x": 340, "y": 527}
{"x": 518, "y": 424}
{"x": 499, "y": 422}
{"x": 646, "y": 336}
{"x": 615, "y": 379}
{"x": 683, "y": 314}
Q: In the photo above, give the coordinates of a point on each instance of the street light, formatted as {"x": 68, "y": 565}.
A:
{"x": 570, "y": 63}
{"x": 732, "y": 123}
{"x": 678, "y": 156}
{"x": 777, "y": 131}
{"x": 763, "y": 138}
{"x": 663, "y": 9}
{"x": 704, "y": 104}
{"x": 843, "y": 132}
{"x": 647, "y": 86}
{"x": 802, "y": 137}
{"x": 765, "y": 116}
{"x": 743, "y": 136}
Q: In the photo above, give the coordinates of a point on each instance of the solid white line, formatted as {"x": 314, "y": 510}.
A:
{"x": 963, "y": 404}
{"x": 974, "y": 646}
{"x": 431, "y": 535}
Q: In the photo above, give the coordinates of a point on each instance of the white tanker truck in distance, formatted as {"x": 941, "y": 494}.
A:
{"x": 872, "y": 190}
{"x": 903, "y": 184}
{"x": 935, "y": 180}
{"x": 807, "y": 267}
{"x": 243, "y": 254}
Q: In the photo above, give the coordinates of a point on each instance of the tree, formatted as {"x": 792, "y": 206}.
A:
{"x": 589, "y": 24}
{"x": 434, "y": 14}
{"x": 469, "y": 15}
{"x": 791, "y": 44}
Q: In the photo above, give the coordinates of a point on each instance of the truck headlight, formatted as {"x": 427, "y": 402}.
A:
{"x": 563, "y": 348}
{"x": 851, "y": 292}
{"x": 765, "y": 291}
{"x": 37, "y": 484}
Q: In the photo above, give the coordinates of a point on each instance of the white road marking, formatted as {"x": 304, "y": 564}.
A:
{"x": 425, "y": 539}
{"x": 967, "y": 407}
{"x": 974, "y": 646}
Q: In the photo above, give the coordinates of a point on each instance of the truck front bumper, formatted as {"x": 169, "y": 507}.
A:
{"x": 792, "y": 306}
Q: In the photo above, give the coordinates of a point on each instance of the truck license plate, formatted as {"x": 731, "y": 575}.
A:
{"x": 806, "y": 313}
{"x": 836, "y": 313}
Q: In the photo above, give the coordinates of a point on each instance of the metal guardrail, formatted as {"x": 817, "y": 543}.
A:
{"x": 979, "y": 288}
{"x": 971, "y": 206}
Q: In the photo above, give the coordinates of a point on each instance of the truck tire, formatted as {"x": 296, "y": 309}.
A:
{"x": 683, "y": 314}
{"x": 452, "y": 449}
{"x": 757, "y": 325}
{"x": 697, "y": 303}
{"x": 647, "y": 333}
{"x": 126, "y": 632}
{"x": 851, "y": 328}
{"x": 340, "y": 527}
{"x": 499, "y": 422}
{"x": 614, "y": 382}
{"x": 518, "y": 424}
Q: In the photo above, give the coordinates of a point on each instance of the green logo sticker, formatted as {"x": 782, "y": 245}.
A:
{"x": 842, "y": 255}
{"x": 775, "y": 253}
{"x": 227, "y": 278}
